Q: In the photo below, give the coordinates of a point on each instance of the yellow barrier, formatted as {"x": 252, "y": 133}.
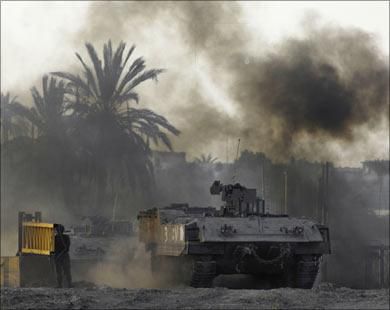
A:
{"x": 172, "y": 240}
{"x": 38, "y": 238}
{"x": 10, "y": 272}
{"x": 149, "y": 223}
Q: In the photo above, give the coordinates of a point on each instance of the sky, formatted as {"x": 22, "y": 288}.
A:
{"x": 40, "y": 37}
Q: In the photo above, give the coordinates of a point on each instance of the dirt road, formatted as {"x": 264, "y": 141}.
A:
{"x": 323, "y": 297}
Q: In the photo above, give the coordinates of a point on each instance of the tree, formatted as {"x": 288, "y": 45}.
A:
{"x": 49, "y": 164}
{"x": 44, "y": 163}
{"x": 49, "y": 114}
{"x": 203, "y": 159}
{"x": 12, "y": 125}
{"x": 49, "y": 117}
{"x": 114, "y": 136}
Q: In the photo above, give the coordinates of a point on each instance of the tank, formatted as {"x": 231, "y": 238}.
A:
{"x": 193, "y": 245}
{"x": 97, "y": 240}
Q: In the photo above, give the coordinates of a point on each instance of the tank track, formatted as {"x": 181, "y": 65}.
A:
{"x": 203, "y": 273}
{"x": 306, "y": 273}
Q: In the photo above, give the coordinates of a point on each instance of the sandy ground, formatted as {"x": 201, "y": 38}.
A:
{"x": 323, "y": 297}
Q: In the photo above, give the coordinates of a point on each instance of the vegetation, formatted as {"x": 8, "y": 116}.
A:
{"x": 88, "y": 138}
{"x": 12, "y": 124}
{"x": 203, "y": 159}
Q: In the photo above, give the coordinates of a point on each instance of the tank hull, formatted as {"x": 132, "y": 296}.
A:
{"x": 203, "y": 248}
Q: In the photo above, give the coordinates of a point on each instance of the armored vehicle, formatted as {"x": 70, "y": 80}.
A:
{"x": 98, "y": 239}
{"x": 194, "y": 245}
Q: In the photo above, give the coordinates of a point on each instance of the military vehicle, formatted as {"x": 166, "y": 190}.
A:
{"x": 193, "y": 245}
{"x": 98, "y": 239}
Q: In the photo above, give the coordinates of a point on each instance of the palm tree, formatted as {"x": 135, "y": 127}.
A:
{"x": 115, "y": 136}
{"x": 203, "y": 159}
{"x": 12, "y": 125}
{"x": 46, "y": 160}
{"x": 51, "y": 159}
{"x": 14, "y": 128}
{"x": 49, "y": 114}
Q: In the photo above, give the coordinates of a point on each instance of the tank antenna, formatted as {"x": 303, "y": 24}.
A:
{"x": 235, "y": 162}
{"x": 262, "y": 178}
{"x": 227, "y": 149}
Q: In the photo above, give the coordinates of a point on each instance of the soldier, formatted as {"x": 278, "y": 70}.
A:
{"x": 61, "y": 255}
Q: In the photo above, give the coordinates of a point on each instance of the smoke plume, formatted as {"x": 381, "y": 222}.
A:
{"x": 324, "y": 86}
{"x": 320, "y": 93}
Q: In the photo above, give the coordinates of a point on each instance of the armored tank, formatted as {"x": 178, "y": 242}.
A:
{"x": 193, "y": 245}
{"x": 98, "y": 239}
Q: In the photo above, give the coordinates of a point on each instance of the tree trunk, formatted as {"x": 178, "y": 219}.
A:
{"x": 101, "y": 180}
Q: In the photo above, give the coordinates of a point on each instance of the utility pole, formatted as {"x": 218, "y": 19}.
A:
{"x": 325, "y": 211}
{"x": 326, "y": 198}
{"x": 235, "y": 162}
{"x": 114, "y": 212}
{"x": 262, "y": 179}
{"x": 285, "y": 191}
{"x": 227, "y": 149}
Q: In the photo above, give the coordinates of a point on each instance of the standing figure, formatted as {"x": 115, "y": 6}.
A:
{"x": 61, "y": 256}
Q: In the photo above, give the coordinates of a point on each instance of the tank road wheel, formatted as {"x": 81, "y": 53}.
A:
{"x": 156, "y": 264}
{"x": 203, "y": 273}
{"x": 306, "y": 271}
{"x": 171, "y": 270}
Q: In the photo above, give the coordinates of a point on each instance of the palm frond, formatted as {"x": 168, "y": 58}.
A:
{"x": 129, "y": 53}
{"x": 38, "y": 101}
{"x": 205, "y": 159}
{"x": 14, "y": 117}
{"x": 89, "y": 75}
{"x": 127, "y": 97}
{"x": 97, "y": 65}
{"x": 144, "y": 76}
{"x": 75, "y": 81}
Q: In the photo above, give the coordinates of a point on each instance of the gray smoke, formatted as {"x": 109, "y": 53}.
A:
{"x": 328, "y": 86}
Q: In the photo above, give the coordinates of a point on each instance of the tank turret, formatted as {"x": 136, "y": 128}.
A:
{"x": 239, "y": 200}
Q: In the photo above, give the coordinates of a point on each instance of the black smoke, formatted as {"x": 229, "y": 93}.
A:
{"x": 324, "y": 85}
{"x": 329, "y": 85}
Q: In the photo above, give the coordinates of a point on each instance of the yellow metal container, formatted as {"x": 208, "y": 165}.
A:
{"x": 171, "y": 241}
{"x": 10, "y": 271}
{"x": 169, "y": 238}
{"x": 149, "y": 224}
{"x": 38, "y": 238}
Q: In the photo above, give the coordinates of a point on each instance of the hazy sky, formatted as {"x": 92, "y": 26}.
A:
{"x": 36, "y": 36}
{"x": 40, "y": 37}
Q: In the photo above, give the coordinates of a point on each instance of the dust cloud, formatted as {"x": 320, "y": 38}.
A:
{"x": 123, "y": 268}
